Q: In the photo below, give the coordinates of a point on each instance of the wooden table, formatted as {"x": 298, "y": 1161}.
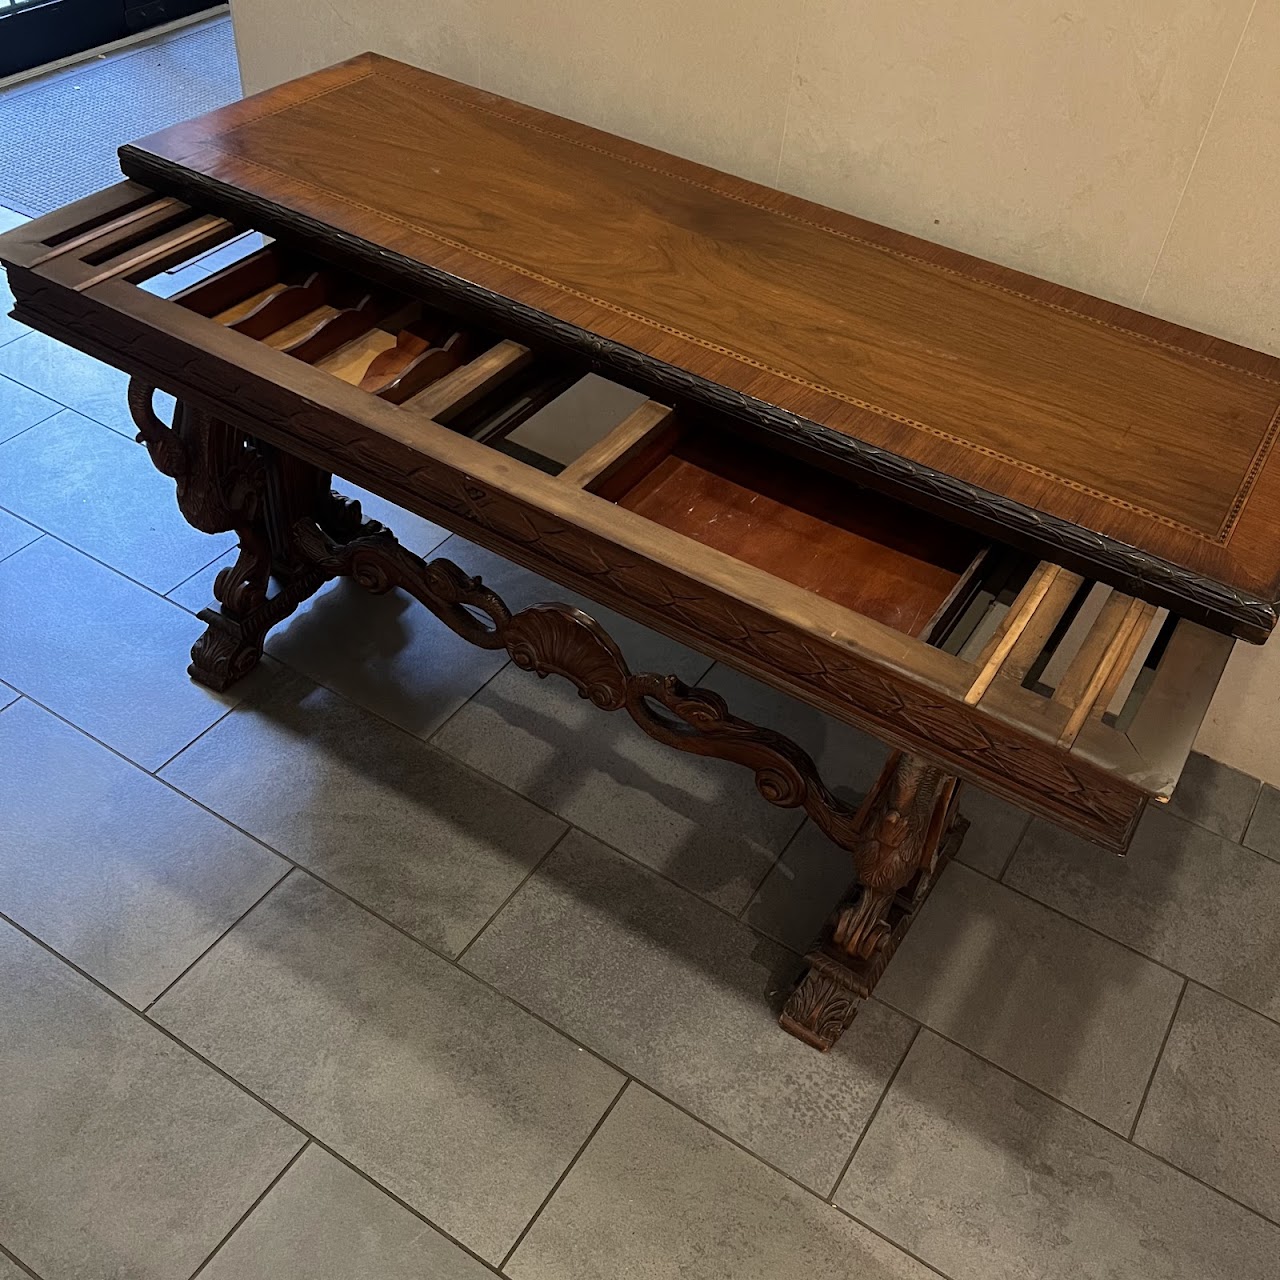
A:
{"x": 1009, "y": 529}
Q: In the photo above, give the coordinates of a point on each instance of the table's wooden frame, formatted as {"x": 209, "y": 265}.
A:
{"x": 259, "y": 434}
{"x": 294, "y": 529}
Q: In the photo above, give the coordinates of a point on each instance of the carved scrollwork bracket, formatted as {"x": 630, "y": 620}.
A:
{"x": 561, "y": 640}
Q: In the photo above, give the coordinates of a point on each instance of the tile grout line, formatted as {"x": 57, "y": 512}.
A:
{"x": 110, "y": 568}
{"x": 17, "y": 435}
{"x": 258, "y": 1199}
{"x": 173, "y": 982}
{"x": 17, "y": 1262}
{"x": 231, "y": 1080}
{"x": 186, "y": 746}
{"x": 889, "y": 1240}
{"x": 1155, "y": 1066}
{"x": 213, "y": 1066}
{"x": 10, "y": 554}
{"x": 772, "y": 867}
{"x": 1253, "y": 813}
{"x": 1013, "y": 852}
{"x": 502, "y": 906}
{"x": 875, "y": 1111}
{"x": 555, "y": 1186}
{"x": 204, "y": 568}
{"x": 1097, "y": 1124}
{"x": 404, "y": 1204}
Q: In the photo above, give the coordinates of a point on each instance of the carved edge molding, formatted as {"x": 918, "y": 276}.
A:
{"x": 1118, "y": 563}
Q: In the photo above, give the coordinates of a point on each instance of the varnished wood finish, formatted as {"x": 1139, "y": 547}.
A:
{"x": 288, "y": 368}
{"x": 842, "y": 662}
{"x": 1008, "y": 400}
{"x": 607, "y": 456}
{"x": 903, "y": 836}
{"x": 871, "y": 555}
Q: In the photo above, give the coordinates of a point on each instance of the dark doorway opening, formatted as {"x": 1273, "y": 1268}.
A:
{"x": 36, "y": 32}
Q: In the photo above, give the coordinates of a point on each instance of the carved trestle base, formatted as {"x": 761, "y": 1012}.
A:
{"x": 294, "y": 530}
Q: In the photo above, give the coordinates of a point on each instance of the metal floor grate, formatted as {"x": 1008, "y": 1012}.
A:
{"x": 58, "y": 140}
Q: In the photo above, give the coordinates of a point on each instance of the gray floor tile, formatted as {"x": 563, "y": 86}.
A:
{"x": 196, "y": 592}
{"x": 14, "y": 533}
{"x": 686, "y": 999}
{"x": 1074, "y": 1014}
{"x": 656, "y": 1196}
{"x": 112, "y": 869}
{"x": 1183, "y": 896}
{"x": 123, "y": 1155}
{"x": 386, "y": 653}
{"x": 448, "y": 1095}
{"x": 1214, "y": 1105}
{"x": 11, "y": 1270}
{"x": 71, "y": 378}
{"x": 388, "y": 819}
{"x": 995, "y": 827}
{"x": 1214, "y": 795}
{"x": 103, "y": 652}
{"x": 1264, "y": 827}
{"x": 802, "y": 889}
{"x": 20, "y": 408}
{"x": 92, "y": 488}
{"x": 322, "y": 1221}
{"x": 983, "y": 1177}
{"x": 699, "y": 821}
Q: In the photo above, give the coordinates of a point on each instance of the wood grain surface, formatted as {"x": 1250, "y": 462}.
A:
{"x": 1126, "y": 426}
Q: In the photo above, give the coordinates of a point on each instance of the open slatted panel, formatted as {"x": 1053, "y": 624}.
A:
{"x": 1084, "y": 669}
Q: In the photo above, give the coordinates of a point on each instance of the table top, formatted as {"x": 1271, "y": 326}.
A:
{"x": 1124, "y": 445}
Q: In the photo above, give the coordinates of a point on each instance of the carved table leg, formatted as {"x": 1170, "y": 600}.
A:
{"x": 229, "y": 482}
{"x": 293, "y": 527}
{"x": 907, "y": 829}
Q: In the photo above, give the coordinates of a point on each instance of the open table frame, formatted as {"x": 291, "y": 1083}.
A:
{"x": 326, "y": 355}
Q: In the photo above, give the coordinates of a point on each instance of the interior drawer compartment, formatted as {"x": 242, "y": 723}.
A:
{"x": 852, "y": 546}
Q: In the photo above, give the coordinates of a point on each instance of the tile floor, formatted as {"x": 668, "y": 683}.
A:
{"x": 395, "y": 962}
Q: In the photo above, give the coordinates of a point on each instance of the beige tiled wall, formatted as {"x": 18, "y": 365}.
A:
{"x": 1131, "y": 149}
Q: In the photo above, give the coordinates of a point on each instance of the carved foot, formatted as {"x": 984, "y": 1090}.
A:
{"x": 822, "y": 1008}
{"x": 906, "y": 831}
{"x": 225, "y": 652}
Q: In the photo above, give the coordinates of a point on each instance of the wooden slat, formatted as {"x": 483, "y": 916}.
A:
{"x": 1014, "y": 624}
{"x": 463, "y": 387}
{"x": 351, "y": 361}
{"x": 188, "y": 236}
{"x": 134, "y": 220}
{"x": 1075, "y": 680}
{"x": 623, "y": 440}
{"x": 1142, "y": 617}
{"x": 1030, "y": 644}
{"x": 1087, "y": 681}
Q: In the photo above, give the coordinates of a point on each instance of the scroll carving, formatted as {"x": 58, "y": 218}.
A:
{"x": 558, "y": 639}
